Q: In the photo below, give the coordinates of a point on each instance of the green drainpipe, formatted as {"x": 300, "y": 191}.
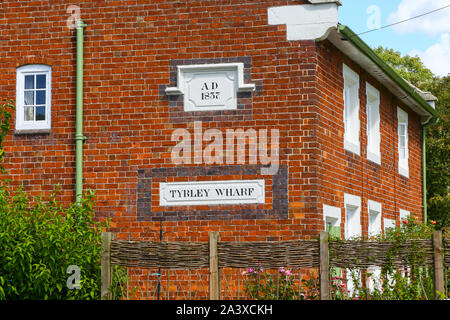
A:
{"x": 79, "y": 137}
{"x": 424, "y": 170}
{"x": 424, "y": 166}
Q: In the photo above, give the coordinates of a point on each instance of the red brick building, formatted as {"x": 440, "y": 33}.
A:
{"x": 343, "y": 131}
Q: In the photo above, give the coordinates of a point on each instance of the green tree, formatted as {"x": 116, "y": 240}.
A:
{"x": 410, "y": 68}
{"x": 438, "y": 155}
{"x": 438, "y": 134}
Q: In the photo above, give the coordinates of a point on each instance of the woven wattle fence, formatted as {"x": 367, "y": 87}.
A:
{"x": 298, "y": 254}
{"x": 169, "y": 255}
{"x": 301, "y": 254}
{"x": 363, "y": 254}
{"x": 178, "y": 255}
{"x": 447, "y": 252}
{"x": 321, "y": 254}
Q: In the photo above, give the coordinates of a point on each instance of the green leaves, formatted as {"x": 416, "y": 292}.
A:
{"x": 39, "y": 239}
{"x": 410, "y": 68}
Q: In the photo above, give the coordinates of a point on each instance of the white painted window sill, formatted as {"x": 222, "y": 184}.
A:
{"x": 376, "y": 158}
{"x": 403, "y": 171}
{"x": 32, "y": 131}
{"x": 352, "y": 146}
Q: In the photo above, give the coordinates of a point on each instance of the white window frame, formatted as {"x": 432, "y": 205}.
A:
{"x": 404, "y": 214}
{"x": 374, "y": 211}
{"x": 331, "y": 216}
{"x": 403, "y": 166}
{"x": 352, "y": 206}
{"x": 388, "y": 223}
{"x": 373, "y": 124}
{"x": 21, "y": 124}
{"x": 351, "y": 110}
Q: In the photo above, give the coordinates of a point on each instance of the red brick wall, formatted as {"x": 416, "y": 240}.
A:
{"x": 131, "y": 51}
{"x": 344, "y": 172}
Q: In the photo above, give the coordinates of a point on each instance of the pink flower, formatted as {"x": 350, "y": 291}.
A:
{"x": 244, "y": 273}
{"x": 288, "y": 273}
{"x": 405, "y": 221}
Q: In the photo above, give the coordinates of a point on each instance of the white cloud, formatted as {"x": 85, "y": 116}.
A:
{"x": 437, "y": 57}
{"x": 430, "y": 24}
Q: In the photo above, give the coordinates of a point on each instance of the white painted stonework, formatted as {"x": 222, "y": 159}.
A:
{"x": 307, "y": 21}
{"x": 211, "y": 192}
{"x": 210, "y": 87}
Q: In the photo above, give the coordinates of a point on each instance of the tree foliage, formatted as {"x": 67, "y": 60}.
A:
{"x": 410, "y": 68}
{"x": 438, "y": 155}
{"x": 438, "y": 134}
{"x": 40, "y": 239}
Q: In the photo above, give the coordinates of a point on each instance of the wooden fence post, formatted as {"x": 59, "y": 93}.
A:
{"x": 214, "y": 279}
{"x": 106, "y": 266}
{"x": 438, "y": 264}
{"x": 324, "y": 267}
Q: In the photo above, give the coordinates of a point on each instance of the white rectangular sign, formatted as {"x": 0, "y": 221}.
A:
{"x": 211, "y": 192}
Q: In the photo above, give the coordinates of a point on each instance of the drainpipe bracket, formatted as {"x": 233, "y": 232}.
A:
{"x": 81, "y": 24}
{"x": 81, "y": 137}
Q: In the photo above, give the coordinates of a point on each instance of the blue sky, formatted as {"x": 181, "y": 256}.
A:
{"x": 427, "y": 36}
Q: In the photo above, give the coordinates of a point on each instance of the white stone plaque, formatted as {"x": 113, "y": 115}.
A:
{"x": 211, "y": 192}
{"x": 210, "y": 87}
{"x": 210, "y": 91}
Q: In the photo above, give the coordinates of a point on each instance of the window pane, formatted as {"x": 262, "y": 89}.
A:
{"x": 40, "y": 97}
{"x": 346, "y": 108}
{"x": 402, "y": 153}
{"x": 402, "y": 141}
{"x": 29, "y": 114}
{"x": 402, "y": 129}
{"x": 41, "y": 81}
{"x": 29, "y": 82}
{"x": 40, "y": 113}
{"x": 29, "y": 98}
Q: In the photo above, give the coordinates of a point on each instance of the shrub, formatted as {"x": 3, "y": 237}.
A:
{"x": 40, "y": 239}
{"x": 414, "y": 282}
